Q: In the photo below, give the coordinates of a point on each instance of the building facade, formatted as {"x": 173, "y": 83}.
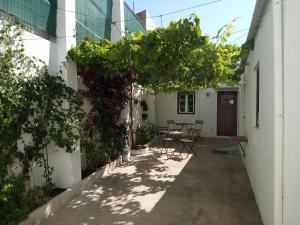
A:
{"x": 219, "y": 109}
{"x": 55, "y": 27}
{"x": 270, "y": 92}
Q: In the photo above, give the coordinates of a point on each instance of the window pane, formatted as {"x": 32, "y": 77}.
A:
{"x": 182, "y": 97}
{"x": 227, "y": 101}
{"x": 182, "y": 103}
{"x": 182, "y": 107}
{"x": 186, "y": 102}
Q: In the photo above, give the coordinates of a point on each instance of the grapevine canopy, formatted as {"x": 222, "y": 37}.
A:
{"x": 178, "y": 57}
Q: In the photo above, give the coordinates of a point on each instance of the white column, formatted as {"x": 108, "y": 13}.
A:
{"x": 118, "y": 24}
{"x": 65, "y": 31}
{"x": 67, "y": 166}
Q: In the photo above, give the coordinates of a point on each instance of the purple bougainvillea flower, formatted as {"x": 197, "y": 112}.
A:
{"x": 133, "y": 74}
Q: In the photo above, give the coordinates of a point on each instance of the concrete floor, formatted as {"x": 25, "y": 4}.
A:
{"x": 211, "y": 189}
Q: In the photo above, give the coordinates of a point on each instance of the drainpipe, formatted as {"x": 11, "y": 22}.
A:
{"x": 278, "y": 25}
{"x": 282, "y": 2}
{"x": 242, "y": 85}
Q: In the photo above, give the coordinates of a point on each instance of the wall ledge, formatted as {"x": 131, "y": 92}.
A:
{"x": 38, "y": 215}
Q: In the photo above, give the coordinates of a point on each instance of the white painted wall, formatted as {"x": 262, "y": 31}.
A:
{"x": 291, "y": 113}
{"x": 166, "y": 109}
{"x": 150, "y": 99}
{"x": 42, "y": 49}
{"x": 263, "y": 151}
{"x": 205, "y": 109}
{"x": 67, "y": 166}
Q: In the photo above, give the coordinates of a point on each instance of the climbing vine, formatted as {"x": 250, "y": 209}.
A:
{"x": 36, "y": 109}
{"x": 178, "y": 57}
{"x": 104, "y": 135}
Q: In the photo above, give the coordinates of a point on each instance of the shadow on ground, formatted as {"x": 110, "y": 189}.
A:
{"x": 211, "y": 189}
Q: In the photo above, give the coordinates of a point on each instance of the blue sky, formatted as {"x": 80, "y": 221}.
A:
{"x": 212, "y": 16}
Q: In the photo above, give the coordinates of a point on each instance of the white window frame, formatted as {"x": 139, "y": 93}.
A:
{"x": 186, "y": 102}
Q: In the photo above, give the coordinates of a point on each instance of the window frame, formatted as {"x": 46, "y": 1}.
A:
{"x": 178, "y": 104}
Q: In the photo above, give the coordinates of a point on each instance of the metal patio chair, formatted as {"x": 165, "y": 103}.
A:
{"x": 167, "y": 145}
{"x": 161, "y": 132}
{"x": 171, "y": 125}
{"x": 196, "y": 130}
{"x": 188, "y": 144}
{"x": 194, "y": 135}
{"x": 165, "y": 139}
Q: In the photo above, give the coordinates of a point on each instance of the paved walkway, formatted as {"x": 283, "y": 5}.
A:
{"x": 211, "y": 189}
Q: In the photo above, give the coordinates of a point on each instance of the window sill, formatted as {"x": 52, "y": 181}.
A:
{"x": 186, "y": 113}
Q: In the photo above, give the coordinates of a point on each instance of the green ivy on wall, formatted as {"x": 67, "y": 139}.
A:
{"x": 36, "y": 108}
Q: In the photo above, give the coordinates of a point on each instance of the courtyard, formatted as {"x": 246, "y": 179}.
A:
{"x": 210, "y": 189}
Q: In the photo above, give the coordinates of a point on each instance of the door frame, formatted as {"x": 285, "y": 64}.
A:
{"x": 235, "y": 93}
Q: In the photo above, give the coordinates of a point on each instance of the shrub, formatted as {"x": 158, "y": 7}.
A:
{"x": 145, "y": 133}
{"x": 108, "y": 90}
{"x": 15, "y": 202}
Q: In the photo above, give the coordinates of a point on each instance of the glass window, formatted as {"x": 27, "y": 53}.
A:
{"x": 227, "y": 100}
{"x": 186, "y": 103}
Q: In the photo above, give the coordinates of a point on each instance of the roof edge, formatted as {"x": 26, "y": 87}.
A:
{"x": 257, "y": 17}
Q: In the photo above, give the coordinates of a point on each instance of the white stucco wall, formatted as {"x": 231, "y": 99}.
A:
{"x": 67, "y": 166}
{"x": 205, "y": 109}
{"x": 166, "y": 109}
{"x": 291, "y": 113}
{"x": 42, "y": 49}
{"x": 150, "y": 99}
{"x": 263, "y": 161}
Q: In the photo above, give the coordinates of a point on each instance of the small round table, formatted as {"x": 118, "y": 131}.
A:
{"x": 185, "y": 125}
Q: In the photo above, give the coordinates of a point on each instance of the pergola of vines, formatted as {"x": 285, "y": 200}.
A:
{"x": 178, "y": 57}
{"x": 166, "y": 59}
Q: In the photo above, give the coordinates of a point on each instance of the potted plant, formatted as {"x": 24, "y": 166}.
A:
{"x": 144, "y": 134}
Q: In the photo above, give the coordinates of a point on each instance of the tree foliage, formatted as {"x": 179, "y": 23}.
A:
{"x": 178, "y": 57}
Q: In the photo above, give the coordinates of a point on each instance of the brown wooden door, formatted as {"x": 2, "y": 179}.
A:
{"x": 227, "y": 113}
